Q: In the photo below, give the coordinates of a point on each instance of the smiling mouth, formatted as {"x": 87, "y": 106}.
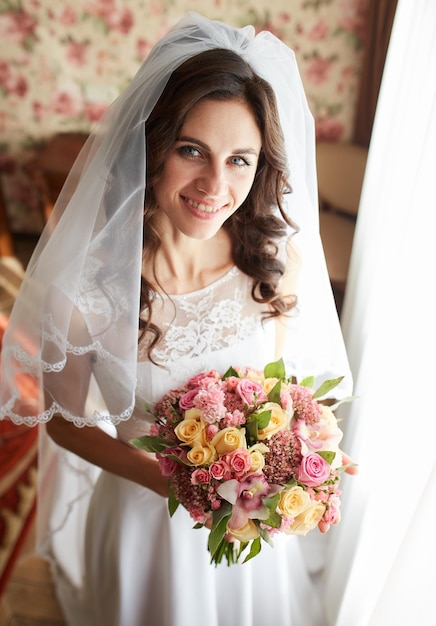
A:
{"x": 205, "y": 208}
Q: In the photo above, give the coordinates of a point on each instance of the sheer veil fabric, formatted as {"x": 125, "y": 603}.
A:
{"x": 81, "y": 289}
{"x": 80, "y": 294}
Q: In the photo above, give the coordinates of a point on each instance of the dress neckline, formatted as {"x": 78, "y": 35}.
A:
{"x": 229, "y": 274}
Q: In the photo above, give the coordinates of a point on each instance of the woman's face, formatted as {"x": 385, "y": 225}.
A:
{"x": 210, "y": 170}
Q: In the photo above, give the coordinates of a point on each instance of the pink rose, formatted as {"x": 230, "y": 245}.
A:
{"x": 232, "y": 382}
{"x": 200, "y": 476}
{"x": 332, "y": 515}
{"x": 218, "y": 470}
{"x": 313, "y": 471}
{"x": 251, "y": 392}
{"x": 187, "y": 400}
{"x": 239, "y": 461}
{"x": 196, "y": 380}
{"x": 167, "y": 466}
{"x": 286, "y": 400}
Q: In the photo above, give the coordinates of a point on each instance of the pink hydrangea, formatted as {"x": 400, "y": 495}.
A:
{"x": 283, "y": 457}
{"x": 305, "y": 407}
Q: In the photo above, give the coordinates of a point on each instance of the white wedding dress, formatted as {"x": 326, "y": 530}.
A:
{"x": 136, "y": 565}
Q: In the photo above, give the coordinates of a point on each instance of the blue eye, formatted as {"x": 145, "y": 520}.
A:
{"x": 240, "y": 161}
{"x": 189, "y": 151}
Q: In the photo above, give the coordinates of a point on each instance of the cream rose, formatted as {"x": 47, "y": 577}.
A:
{"x": 293, "y": 501}
{"x": 279, "y": 420}
{"x": 229, "y": 439}
{"x": 191, "y": 431}
{"x": 330, "y": 434}
{"x": 245, "y": 533}
{"x": 269, "y": 383}
{"x": 257, "y": 457}
{"x": 201, "y": 454}
{"x": 255, "y": 375}
{"x": 308, "y": 519}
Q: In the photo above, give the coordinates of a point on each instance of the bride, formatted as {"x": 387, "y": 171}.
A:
{"x": 185, "y": 240}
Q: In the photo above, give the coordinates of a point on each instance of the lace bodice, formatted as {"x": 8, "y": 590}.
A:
{"x": 206, "y": 320}
{"x": 212, "y": 328}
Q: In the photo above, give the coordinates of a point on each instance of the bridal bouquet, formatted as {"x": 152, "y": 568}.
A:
{"x": 249, "y": 454}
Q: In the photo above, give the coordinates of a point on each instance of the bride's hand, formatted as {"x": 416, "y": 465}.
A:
{"x": 350, "y": 467}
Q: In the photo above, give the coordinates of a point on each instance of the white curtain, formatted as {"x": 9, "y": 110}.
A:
{"x": 381, "y": 569}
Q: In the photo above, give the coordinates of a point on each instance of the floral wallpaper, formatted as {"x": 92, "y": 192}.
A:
{"x": 61, "y": 64}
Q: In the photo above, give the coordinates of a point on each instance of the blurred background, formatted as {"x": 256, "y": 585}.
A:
{"x": 62, "y": 64}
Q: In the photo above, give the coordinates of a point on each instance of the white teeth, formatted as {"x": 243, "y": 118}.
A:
{"x": 203, "y": 207}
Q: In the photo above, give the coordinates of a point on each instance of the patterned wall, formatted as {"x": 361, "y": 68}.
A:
{"x": 61, "y": 64}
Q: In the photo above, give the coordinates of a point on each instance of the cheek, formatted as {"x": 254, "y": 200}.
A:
{"x": 244, "y": 189}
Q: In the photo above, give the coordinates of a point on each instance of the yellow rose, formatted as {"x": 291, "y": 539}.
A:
{"x": 191, "y": 431}
{"x": 245, "y": 533}
{"x": 293, "y": 501}
{"x": 257, "y": 457}
{"x": 308, "y": 519}
{"x": 201, "y": 455}
{"x": 193, "y": 414}
{"x": 279, "y": 420}
{"x": 229, "y": 439}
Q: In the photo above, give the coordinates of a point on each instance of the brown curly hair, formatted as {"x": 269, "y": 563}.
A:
{"x": 260, "y": 222}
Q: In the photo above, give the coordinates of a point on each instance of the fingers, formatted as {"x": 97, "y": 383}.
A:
{"x": 350, "y": 467}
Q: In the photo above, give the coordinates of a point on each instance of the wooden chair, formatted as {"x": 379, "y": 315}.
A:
{"x": 51, "y": 166}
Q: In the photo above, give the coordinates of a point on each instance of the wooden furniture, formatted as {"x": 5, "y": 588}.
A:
{"x": 6, "y": 244}
{"x": 52, "y": 165}
{"x": 341, "y": 168}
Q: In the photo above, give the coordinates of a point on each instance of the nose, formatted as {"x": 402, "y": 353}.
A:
{"x": 213, "y": 180}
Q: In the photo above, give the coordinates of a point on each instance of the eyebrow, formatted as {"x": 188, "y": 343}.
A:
{"x": 206, "y": 147}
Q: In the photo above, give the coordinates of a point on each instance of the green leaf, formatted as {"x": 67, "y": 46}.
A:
{"x": 274, "y": 394}
{"x": 173, "y": 503}
{"x": 309, "y": 381}
{"x": 254, "y": 549}
{"x": 333, "y": 407}
{"x": 231, "y": 372}
{"x": 266, "y": 536}
{"x": 274, "y": 518}
{"x": 251, "y": 431}
{"x": 327, "y": 386}
{"x": 175, "y": 458}
{"x": 242, "y": 546}
{"x": 262, "y": 419}
{"x": 150, "y": 444}
{"x": 275, "y": 370}
{"x": 327, "y": 456}
{"x": 217, "y": 534}
{"x": 224, "y": 511}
